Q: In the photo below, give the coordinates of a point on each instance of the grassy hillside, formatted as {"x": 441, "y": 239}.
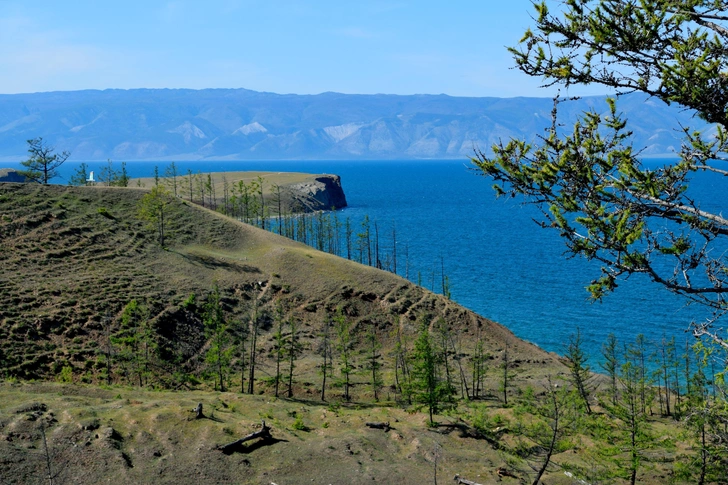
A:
{"x": 95, "y": 434}
{"x": 150, "y": 437}
{"x": 71, "y": 260}
{"x": 290, "y": 192}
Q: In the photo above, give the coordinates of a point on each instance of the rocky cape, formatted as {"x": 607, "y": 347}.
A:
{"x": 306, "y": 193}
{"x": 239, "y": 124}
{"x": 319, "y": 192}
{"x": 11, "y": 175}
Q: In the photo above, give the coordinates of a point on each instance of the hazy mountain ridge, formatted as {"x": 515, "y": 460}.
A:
{"x": 242, "y": 124}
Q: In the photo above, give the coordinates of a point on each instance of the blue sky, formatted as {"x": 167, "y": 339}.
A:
{"x": 395, "y": 47}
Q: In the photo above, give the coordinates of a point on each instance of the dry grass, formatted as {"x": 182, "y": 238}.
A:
{"x": 140, "y": 436}
{"x": 218, "y": 179}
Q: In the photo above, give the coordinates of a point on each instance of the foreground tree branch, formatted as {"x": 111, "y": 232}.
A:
{"x": 592, "y": 188}
{"x": 590, "y": 183}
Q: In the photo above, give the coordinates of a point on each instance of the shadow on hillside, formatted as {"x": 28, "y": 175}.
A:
{"x": 341, "y": 403}
{"x": 213, "y": 263}
{"x": 243, "y": 448}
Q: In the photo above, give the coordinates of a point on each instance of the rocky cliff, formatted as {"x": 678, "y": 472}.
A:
{"x": 11, "y": 175}
{"x": 320, "y": 192}
{"x": 297, "y": 191}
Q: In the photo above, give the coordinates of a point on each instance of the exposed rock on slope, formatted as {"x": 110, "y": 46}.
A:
{"x": 299, "y": 192}
{"x": 11, "y": 175}
{"x": 322, "y": 192}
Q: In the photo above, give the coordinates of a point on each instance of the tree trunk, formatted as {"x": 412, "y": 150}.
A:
{"x": 253, "y": 342}
{"x": 198, "y": 411}
{"x": 263, "y": 432}
{"x": 462, "y": 481}
{"x": 378, "y": 425}
{"x": 552, "y": 446}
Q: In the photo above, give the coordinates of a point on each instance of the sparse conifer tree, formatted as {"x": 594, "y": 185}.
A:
{"x": 240, "y": 331}
{"x": 611, "y": 364}
{"x": 80, "y": 175}
{"x": 219, "y": 353}
{"x": 579, "y": 374}
{"x": 457, "y": 357}
{"x": 190, "y": 179}
{"x": 293, "y": 350}
{"x": 107, "y": 174}
{"x": 261, "y": 206}
{"x": 279, "y": 343}
{"x": 662, "y": 358}
{"x": 208, "y": 190}
{"x": 347, "y": 225}
{"x": 254, "y": 327}
{"x": 200, "y": 188}
{"x": 401, "y": 371}
{"x": 374, "y": 355}
{"x": 43, "y": 163}
{"x": 478, "y": 363}
{"x": 631, "y": 432}
{"x": 706, "y": 419}
{"x": 135, "y": 341}
{"x": 325, "y": 352}
{"x": 154, "y": 207}
{"x": 637, "y": 354}
{"x": 505, "y": 367}
{"x": 556, "y": 419}
{"x": 443, "y": 342}
{"x": 278, "y": 202}
{"x": 171, "y": 175}
{"x": 122, "y": 177}
{"x": 425, "y": 386}
{"x": 343, "y": 345}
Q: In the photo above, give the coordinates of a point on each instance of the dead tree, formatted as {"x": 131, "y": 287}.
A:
{"x": 50, "y": 476}
{"x": 506, "y": 362}
{"x": 504, "y": 472}
{"x": 198, "y": 411}
{"x": 463, "y": 481}
{"x": 263, "y": 433}
{"x": 384, "y": 426}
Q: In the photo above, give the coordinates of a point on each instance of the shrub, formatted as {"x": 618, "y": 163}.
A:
{"x": 105, "y": 212}
{"x": 298, "y": 424}
{"x": 66, "y": 374}
{"x": 189, "y": 303}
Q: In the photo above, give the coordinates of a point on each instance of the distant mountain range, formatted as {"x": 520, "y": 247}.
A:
{"x": 239, "y": 124}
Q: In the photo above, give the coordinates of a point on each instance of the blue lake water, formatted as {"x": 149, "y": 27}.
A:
{"x": 499, "y": 262}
